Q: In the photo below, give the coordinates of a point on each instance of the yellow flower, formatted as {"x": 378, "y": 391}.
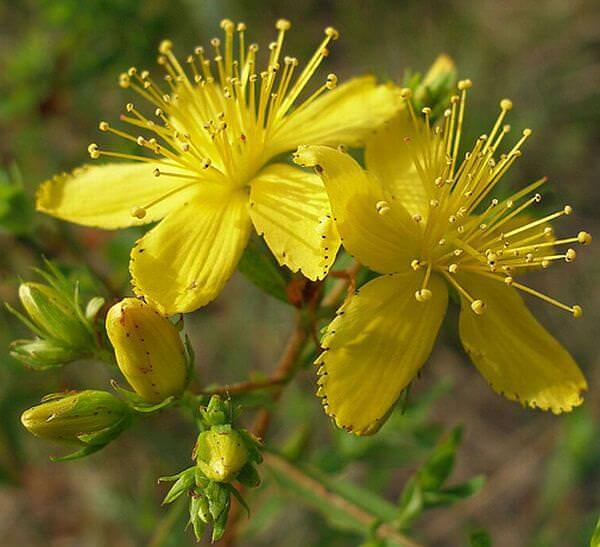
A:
{"x": 217, "y": 122}
{"x": 426, "y": 219}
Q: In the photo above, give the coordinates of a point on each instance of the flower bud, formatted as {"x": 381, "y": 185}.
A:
{"x": 42, "y": 354}
{"x": 148, "y": 348}
{"x": 73, "y": 416}
{"x": 221, "y": 453}
{"x": 53, "y": 314}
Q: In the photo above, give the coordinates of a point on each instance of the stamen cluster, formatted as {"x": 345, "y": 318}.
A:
{"x": 465, "y": 229}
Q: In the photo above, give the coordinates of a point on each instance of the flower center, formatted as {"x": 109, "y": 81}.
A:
{"x": 215, "y": 118}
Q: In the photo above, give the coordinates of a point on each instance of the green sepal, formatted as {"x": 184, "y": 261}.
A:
{"x": 106, "y": 435}
{"x": 93, "y": 307}
{"x": 198, "y": 525}
{"x": 183, "y": 482}
{"x": 252, "y": 444}
{"x": 137, "y": 403}
{"x": 234, "y": 492}
{"x": 84, "y": 452}
{"x": 248, "y": 476}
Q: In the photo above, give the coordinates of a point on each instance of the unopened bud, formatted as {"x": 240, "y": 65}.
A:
{"x": 70, "y": 417}
{"x": 221, "y": 453}
{"x": 53, "y": 314}
{"x": 148, "y": 348}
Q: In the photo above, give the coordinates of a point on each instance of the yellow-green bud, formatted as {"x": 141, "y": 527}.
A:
{"x": 221, "y": 453}
{"x": 66, "y": 417}
{"x": 148, "y": 348}
{"x": 53, "y": 314}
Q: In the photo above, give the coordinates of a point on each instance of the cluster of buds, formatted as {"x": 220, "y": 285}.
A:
{"x": 223, "y": 454}
{"x": 149, "y": 352}
{"x": 87, "y": 420}
{"x": 65, "y": 332}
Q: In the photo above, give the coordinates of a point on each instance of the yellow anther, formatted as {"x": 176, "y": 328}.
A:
{"x": 423, "y": 295}
{"x": 103, "y": 126}
{"x": 426, "y": 110}
{"x": 165, "y": 46}
{"x": 545, "y": 263}
{"x": 453, "y": 268}
{"x": 478, "y": 306}
{"x": 227, "y": 24}
{"x": 434, "y": 203}
{"x": 124, "y": 80}
{"x": 241, "y": 27}
{"x": 567, "y": 210}
{"x": 548, "y": 231}
{"x": 215, "y": 42}
{"x": 584, "y": 238}
{"x": 527, "y": 132}
{"x": 417, "y": 218}
{"x": 577, "y": 311}
{"x": 465, "y": 84}
{"x": 129, "y": 107}
{"x": 508, "y": 280}
{"x": 93, "y": 151}
{"x": 332, "y": 33}
{"x": 283, "y": 24}
{"x": 415, "y": 264}
{"x": 570, "y": 255}
{"x": 406, "y": 93}
{"x": 506, "y": 104}
{"x": 156, "y": 172}
{"x": 332, "y": 81}
{"x": 138, "y": 212}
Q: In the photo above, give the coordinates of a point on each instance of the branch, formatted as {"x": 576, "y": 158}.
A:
{"x": 384, "y": 530}
{"x": 245, "y": 386}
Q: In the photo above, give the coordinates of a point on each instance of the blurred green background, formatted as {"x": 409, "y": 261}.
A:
{"x": 59, "y": 63}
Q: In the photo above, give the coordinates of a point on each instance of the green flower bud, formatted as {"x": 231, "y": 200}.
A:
{"x": 77, "y": 417}
{"x": 221, "y": 453}
{"x": 148, "y": 348}
{"x": 42, "y": 354}
{"x": 54, "y": 315}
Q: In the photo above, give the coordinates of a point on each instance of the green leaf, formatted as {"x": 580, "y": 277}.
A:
{"x": 480, "y": 538}
{"x": 289, "y": 476}
{"x": 439, "y": 465}
{"x": 258, "y": 266}
{"x": 451, "y": 495}
{"x": 595, "y": 541}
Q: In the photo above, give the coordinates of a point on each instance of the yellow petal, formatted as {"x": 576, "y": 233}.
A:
{"x": 105, "y": 195}
{"x": 290, "y": 208}
{"x": 374, "y": 348}
{"x": 385, "y": 243}
{"x": 515, "y": 354}
{"x": 387, "y": 156}
{"x": 345, "y": 115}
{"x": 184, "y": 262}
